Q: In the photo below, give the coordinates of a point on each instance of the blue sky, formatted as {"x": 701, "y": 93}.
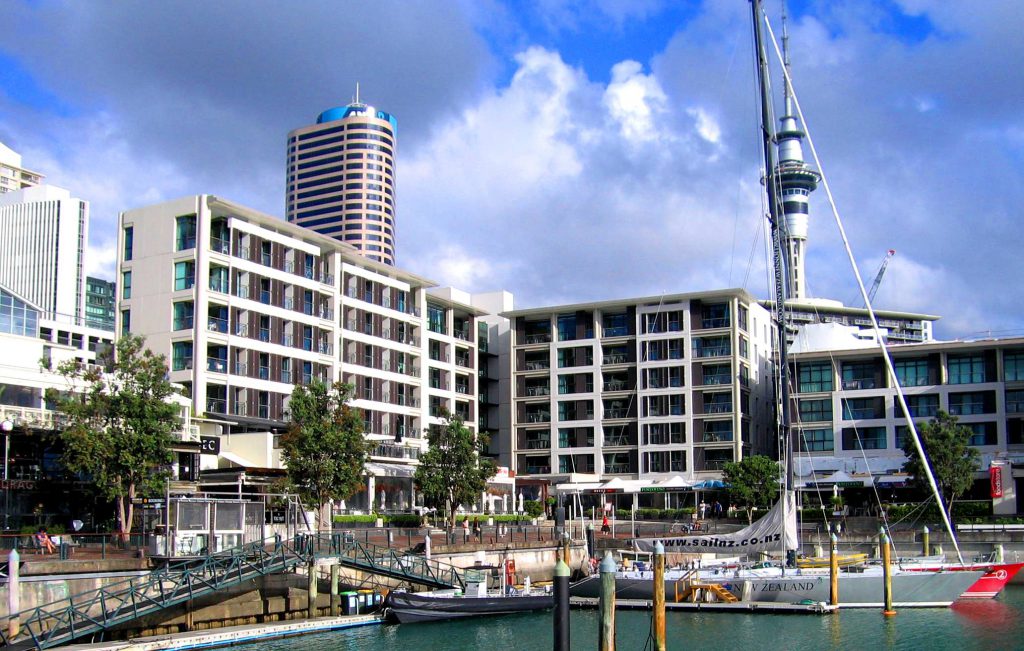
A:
{"x": 610, "y": 145}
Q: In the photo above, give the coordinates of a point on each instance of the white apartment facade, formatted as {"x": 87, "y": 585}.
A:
{"x": 644, "y": 388}
{"x": 43, "y": 236}
{"x": 12, "y": 175}
{"x": 246, "y": 306}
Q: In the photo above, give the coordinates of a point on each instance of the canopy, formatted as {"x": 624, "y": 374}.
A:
{"x": 842, "y": 480}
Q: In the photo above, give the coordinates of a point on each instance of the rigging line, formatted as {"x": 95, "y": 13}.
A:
{"x": 926, "y": 466}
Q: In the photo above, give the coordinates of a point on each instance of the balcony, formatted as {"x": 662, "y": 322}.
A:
{"x": 181, "y": 364}
{"x": 220, "y": 245}
{"x": 716, "y": 408}
{"x": 219, "y": 286}
{"x": 216, "y": 405}
{"x": 217, "y": 324}
{"x": 538, "y": 391}
{"x": 614, "y": 358}
{"x": 538, "y": 417}
{"x": 720, "y": 322}
{"x": 242, "y": 329}
{"x": 710, "y": 380}
{"x": 537, "y": 469}
{"x": 461, "y": 388}
{"x": 537, "y": 366}
{"x": 616, "y": 413}
{"x": 617, "y": 331}
{"x": 463, "y": 360}
{"x": 617, "y": 468}
{"x": 615, "y": 385}
{"x": 538, "y": 338}
{"x": 853, "y": 385}
{"x": 396, "y": 452}
{"x": 184, "y": 323}
{"x": 462, "y": 334}
{"x": 712, "y": 351}
{"x": 215, "y": 365}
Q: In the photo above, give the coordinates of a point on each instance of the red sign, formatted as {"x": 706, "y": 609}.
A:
{"x": 995, "y": 475}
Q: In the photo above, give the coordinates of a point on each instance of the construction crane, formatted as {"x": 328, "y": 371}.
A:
{"x": 878, "y": 276}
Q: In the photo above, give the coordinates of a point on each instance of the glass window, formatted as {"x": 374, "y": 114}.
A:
{"x": 864, "y": 438}
{"x": 129, "y": 242}
{"x": 815, "y": 377}
{"x": 567, "y": 327}
{"x": 126, "y": 284}
{"x": 812, "y": 411}
{"x": 982, "y": 434}
{"x": 126, "y": 321}
{"x": 926, "y": 406}
{"x": 185, "y": 232}
{"x": 966, "y": 369}
{"x": 435, "y": 318}
{"x": 911, "y": 372}
{"x": 1015, "y": 401}
{"x": 859, "y": 375}
{"x": 817, "y": 440}
{"x": 219, "y": 279}
{"x": 1013, "y": 366}
{"x": 183, "y": 315}
{"x": 969, "y": 404}
{"x": 863, "y": 408}
{"x": 181, "y": 355}
{"x": 184, "y": 275}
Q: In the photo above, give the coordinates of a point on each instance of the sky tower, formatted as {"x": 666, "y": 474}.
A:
{"x": 796, "y": 181}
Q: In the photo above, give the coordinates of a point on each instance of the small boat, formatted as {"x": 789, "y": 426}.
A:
{"x": 437, "y": 605}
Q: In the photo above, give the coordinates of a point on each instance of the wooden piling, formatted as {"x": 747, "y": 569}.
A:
{"x": 335, "y": 597}
{"x": 833, "y": 572}
{"x": 311, "y": 589}
{"x": 887, "y": 576}
{"x": 606, "y": 638}
{"x": 566, "y": 549}
{"x": 561, "y": 624}
{"x": 659, "y": 596}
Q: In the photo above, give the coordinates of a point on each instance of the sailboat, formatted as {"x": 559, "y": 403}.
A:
{"x": 859, "y": 586}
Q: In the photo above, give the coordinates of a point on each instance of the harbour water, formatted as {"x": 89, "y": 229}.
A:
{"x": 984, "y": 624}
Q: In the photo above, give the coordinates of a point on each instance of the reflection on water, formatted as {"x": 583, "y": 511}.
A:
{"x": 988, "y": 624}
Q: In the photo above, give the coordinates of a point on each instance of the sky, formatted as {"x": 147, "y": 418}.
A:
{"x": 563, "y": 150}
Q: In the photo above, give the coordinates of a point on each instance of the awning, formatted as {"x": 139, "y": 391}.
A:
{"x": 390, "y": 469}
{"x": 840, "y": 479}
{"x": 710, "y": 484}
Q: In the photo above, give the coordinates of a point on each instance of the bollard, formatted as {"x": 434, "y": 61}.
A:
{"x": 997, "y": 553}
{"x": 426, "y": 546}
{"x": 13, "y": 595}
{"x": 561, "y": 587}
{"x": 335, "y": 600}
{"x": 606, "y": 640}
{"x": 887, "y": 575}
{"x": 566, "y": 550}
{"x": 311, "y": 589}
{"x": 659, "y": 596}
{"x": 833, "y": 572}
{"x": 924, "y": 540}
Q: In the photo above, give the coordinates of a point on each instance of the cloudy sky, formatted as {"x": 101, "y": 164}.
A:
{"x": 565, "y": 150}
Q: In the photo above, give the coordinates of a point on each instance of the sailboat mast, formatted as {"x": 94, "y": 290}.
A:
{"x": 775, "y": 221}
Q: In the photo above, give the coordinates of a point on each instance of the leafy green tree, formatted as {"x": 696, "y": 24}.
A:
{"x": 120, "y": 424}
{"x": 452, "y": 470}
{"x": 754, "y": 481}
{"x": 324, "y": 449}
{"x": 952, "y": 460}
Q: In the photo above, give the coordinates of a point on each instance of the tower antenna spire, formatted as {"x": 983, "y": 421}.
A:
{"x": 787, "y": 89}
{"x": 357, "y": 92}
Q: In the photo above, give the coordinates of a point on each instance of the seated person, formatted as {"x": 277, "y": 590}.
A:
{"x": 45, "y": 544}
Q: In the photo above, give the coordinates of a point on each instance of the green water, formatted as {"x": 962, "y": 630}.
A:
{"x": 989, "y": 624}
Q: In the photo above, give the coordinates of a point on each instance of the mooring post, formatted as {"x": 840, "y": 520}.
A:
{"x": 606, "y": 641}
{"x": 311, "y": 588}
{"x": 659, "y": 596}
{"x": 997, "y": 553}
{"x": 561, "y": 607}
{"x": 887, "y": 575}
{"x": 566, "y": 549}
{"x": 924, "y": 540}
{"x": 13, "y": 594}
{"x": 833, "y": 571}
{"x": 335, "y": 599}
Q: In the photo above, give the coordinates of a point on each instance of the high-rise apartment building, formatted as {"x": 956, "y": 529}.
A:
{"x": 12, "y": 175}
{"x": 341, "y": 178}
{"x": 100, "y": 303}
{"x": 246, "y": 306}
{"x": 43, "y": 233}
{"x": 643, "y": 388}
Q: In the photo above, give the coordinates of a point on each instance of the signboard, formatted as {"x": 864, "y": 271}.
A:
{"x": 652, "y": 489}
{"x": 209, "y": 445}
{"x": 605, "y": 491}
{"x": 995, "y": 475}
{"x": 18, "y": 484}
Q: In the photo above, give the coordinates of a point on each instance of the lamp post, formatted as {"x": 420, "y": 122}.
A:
{"x": 6, "y": 426}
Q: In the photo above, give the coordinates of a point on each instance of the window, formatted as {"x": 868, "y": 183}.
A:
{"x": 982, "y": 433}
{"x": 435, "y": 318}
{"x": 815, "y": 377}
{"x": 183, "y": 315}
{"x": 966, "y": 369}
{"x": 126, "y": 284}
{"x": 714, "y": 316}
{"x": 812, "y": 411}
{"x": 126, "y": 322}
{"x": 864, "y": 438}
{"x": 566, "y": 327}
{"x": 1013, "y": 366}
{"x": 1015, "y": 401}
{"x": 716, "y": 431}
{"x": 615, "y": 325}
{"x": 816, "y": 440}
{"x": 926, "y": 406}
{"x": 219, "y": 279}
{"x": 969, "y": 404}
{"x": 912, "y": 372}
{"x": 863, "y": 408}
{"x": 129, "y": 242}
{"x": 859, "y": 375}
{"x": 184, "y": 275}
{"x": 265, "y": 253}
{"x": 185, "y": 232}
{"x": 181, "y": 355}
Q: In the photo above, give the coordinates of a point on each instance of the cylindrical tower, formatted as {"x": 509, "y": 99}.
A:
{"x": 341, "y": 178}
{"x": 796, "y": 181}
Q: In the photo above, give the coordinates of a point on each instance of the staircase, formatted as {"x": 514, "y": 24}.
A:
{"x": 694, "y": 589}
{"x": 183, "y": 580}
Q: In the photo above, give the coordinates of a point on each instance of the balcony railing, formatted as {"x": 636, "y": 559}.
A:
{"x": 617, "y": 468}
{"x": 716, "y": 408}
{"x": 217, "y": 324}
{"x": 615, "y": 385}
{"x": 538, "y": 417}
{"x": 714, "y": 323}
{"x": 616, "y": 331}
{"x": 220, "y": 245}
{"x": 216, "y": 365}
{"x": 864, "y": 383}
{"x": 616, "y": 413}
{"x": 712, "y": 351}
{"x": 537, "y": 470}
{"x": 538, "y": 391}
{"x": 462, "y": 334}
{"x": 537, "y": 366}
{"x": 614, "y": 358}
{"x": 537, "y": 444}
{"x": 538, "y": 338}
{"x": 717, "y": 379}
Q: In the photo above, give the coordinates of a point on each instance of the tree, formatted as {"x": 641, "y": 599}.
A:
{"x": 452, "y": 470}
{"x": 120, "y": 424}
{"x": 754, "y": 481}
{"x": 324, "y": 449}
{"x": 952, "y": 460}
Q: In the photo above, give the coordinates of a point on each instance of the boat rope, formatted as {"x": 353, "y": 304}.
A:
{"x": 926, "y": 465}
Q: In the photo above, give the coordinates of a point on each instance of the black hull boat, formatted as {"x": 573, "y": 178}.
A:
{"x": 408, "y": 607}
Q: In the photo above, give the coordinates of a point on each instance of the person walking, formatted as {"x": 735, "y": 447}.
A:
{"x": 605, "y": 528}
{"x": 716, "y": 509}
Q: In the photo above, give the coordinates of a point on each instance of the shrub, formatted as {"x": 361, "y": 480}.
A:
{"x": 533, "y": 508}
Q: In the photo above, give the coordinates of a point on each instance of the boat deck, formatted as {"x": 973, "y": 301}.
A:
{"x": 816, "y": 608}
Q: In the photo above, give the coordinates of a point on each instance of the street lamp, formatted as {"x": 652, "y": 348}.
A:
{"x": 6, "y": 426}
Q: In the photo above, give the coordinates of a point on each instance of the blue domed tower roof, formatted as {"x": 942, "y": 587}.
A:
{"x": 356, "y": 108}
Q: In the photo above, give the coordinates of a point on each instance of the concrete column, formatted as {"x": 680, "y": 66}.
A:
{"x": 13, "y": 594}
{"x": 335, "y": 600}
{"x": 311, "y": 588}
